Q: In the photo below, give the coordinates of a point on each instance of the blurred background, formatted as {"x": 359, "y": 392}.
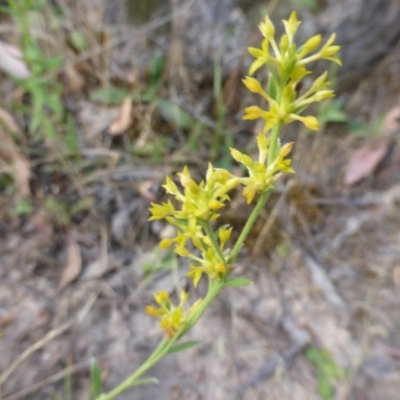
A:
{"x": 99, "y": 101}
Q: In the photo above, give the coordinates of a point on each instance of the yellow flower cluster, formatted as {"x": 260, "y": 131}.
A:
{"x": 172, "y": 317}
{"x": 198, "y": 200}
{"x": 196, "y": 206}
{"x": 261, "y": 176}
{"x": 199, "y": 203}
{"x": 287, "y": 67}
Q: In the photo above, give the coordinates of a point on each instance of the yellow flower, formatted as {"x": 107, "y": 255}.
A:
{"x": 287, "y": 68}
{"x": 171, "y": 317}
{"x": 326, "y": 53}
{"x": 160, "y": 211}
{"x": 309, "y": 122}
{"x": 261, "y": 177}
{"x": 262, "y": 56}
{"x": 267, "y": 29}
{"x": 291, "y": 26}
{"x": 310, "y": 45}
{"x": 210, "y": 264}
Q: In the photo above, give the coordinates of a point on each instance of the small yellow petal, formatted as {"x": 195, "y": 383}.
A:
{"x": 291, "y": 25}
{"x": 252, "y": 84}
{"x": 184, "y": 296}
{"x": 267, "y": 29}
{"x": 162, "y": 297}
{"x": 311, "y": 44}
{"x": 195, "y": 273}
{"x": 258, "y": 53}
{"x": 215, "y": 204}
{"x": 249, "y": 193}
{"x": 252, "y": 112}
{"x": 309, "y": 121}
{"x": 165, "y": 243}
{"x": 155, "y": 312}
{"x": 286, "y": 149}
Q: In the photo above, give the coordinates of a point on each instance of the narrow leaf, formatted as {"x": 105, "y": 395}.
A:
{"x": 238, "y": 282}
{"x": 145, "y": 381}
{"x": 174, "y": 114}
{"x": 183, "y": 346}
{"x": 95, "y": 378}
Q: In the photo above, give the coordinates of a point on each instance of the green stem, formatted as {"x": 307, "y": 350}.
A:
{"x": 211, "y": 235}
{"x": 249, "y": 224}
{"x": 165, "y": 345}
{"x": 273, "y": 146}
{"x": 157, "y": 354}
{"x": 214, "y": 286}
{"x": 213, "y": 289}
{"x": 272, "y": 154}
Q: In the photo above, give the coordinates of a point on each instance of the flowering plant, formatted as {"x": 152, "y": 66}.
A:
{"x": 196, "y": 206}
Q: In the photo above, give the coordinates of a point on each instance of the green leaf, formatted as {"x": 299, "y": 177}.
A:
{"x": 238, "y": 282}
{"x": 37, "y": 111}
{"x": 156, "y": 70}
{"x": 52, "y": 101}
{"x": 175, "y": 114}
{"x": 22, "y": 207}
{"x": 184, "y": 346}
{"x": 325, "y": 389}
{"x": 95, "y": 378}
{"x": 83, "y": 204}
{"x": 145, "y": 381}
{"x": 70, "y": 139}
{"x": 6, "y": 10}
{"x": 272, "y": 86}
{"x": 110, "y": 95}
{"x": 51, "y": 63}
{"x": 311, "y": 5}
{"x": 332, "y": 112}
{"x": 77, "y": 40}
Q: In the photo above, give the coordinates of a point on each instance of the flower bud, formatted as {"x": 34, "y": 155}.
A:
{"x": 311, "y": 44}
{"x": 252, "y": 84}
{"x": 267, "y": 28}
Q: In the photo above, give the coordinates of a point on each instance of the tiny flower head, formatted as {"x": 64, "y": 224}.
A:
{"x": 160, "y": 211}
{"x": 291, "y": 26}
{"x": 267, "y": 28}
{"x": 310, "y": 122}
{"x": 171, "y": 317}
{"x": 254, "y": 86}
{"x": 262, "y": 56}
{"x": 253, "y": 112}
{"x": 310, "y": 45}
{"x": 224, "y": 234}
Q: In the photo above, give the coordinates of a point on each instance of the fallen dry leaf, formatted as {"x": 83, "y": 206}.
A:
{"x": 9, "y": 121}
{"x": 99, "y": 266}
{"x": 11, "y": 61}
{"x": 7, "y": 320}
{"x": 74, "y": 81}
{"x": 20, "y": 166}
{"x": 365, "y": 160}
{"x": 123, "y": 120}
{"x": 396, "y": 277}
{"x": 73, "y": 263}
{"x": 391, "y": 122}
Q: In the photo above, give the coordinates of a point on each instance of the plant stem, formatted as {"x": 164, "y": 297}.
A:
{"x": 129, "y": 382}
{"x": 272, "y": 154}
{"x": 274, "y": 144}
{"x": 166, "y": 344}
{"x": 210, "y": 233}
{"x": 214, "y": 287}
{"x": 249, "y": 224}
